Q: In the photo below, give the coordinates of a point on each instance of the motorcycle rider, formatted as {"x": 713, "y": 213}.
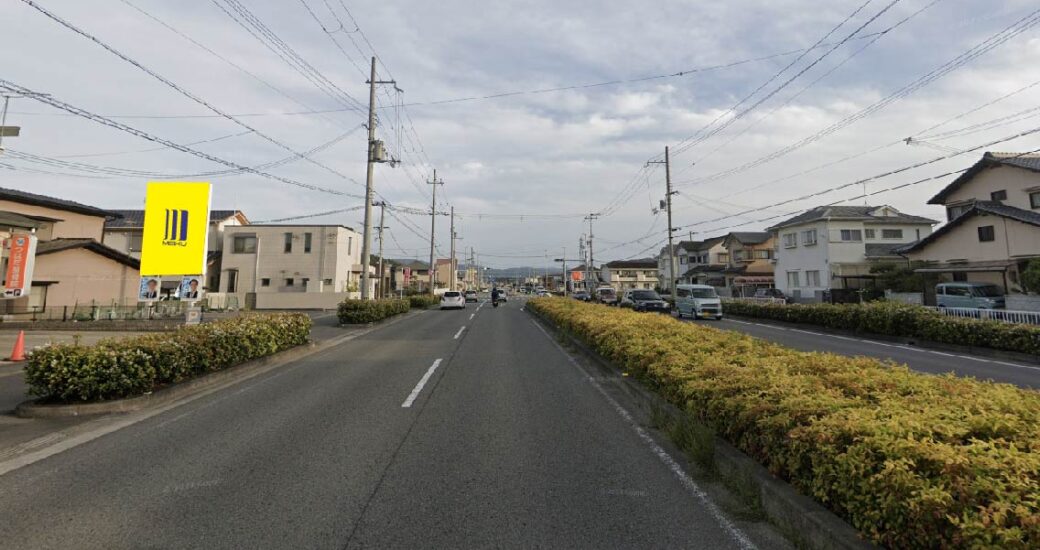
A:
{"x": 494, "y": 296}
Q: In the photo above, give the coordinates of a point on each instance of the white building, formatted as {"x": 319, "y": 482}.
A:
{"x": 832, "y": 247}
{"x": 291, "y": 266}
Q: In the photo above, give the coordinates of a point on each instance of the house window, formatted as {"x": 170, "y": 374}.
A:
{"x": 232, "y": 280}
{"x": 328, "y": 282}
{"x": 812, "y": 278}
{"x": 288, "y": 243}
{"x": 762, "y": 254}
{"x": 305, "y": 282}
{"x": 952, "y": 212}
{"x": 986, "y": 234}
{"x": 790, "y": 240}
{"x": 998, "y": 195}
{"x": 792, "y": 279}
{"x": 809, "y": 237}
{"x": 265, "y": 282}
{"x": 350, "y": 245}
{"x": 869, "y": 233}
{"x": 306, "y": 243}
{"x": 738, "y": 255}
{"x": 723, "y": 257}
{"x": 290, "y": 282}
{"x": 891, "y": 233}
{"x": 958, "y": 277}
{"x": 134, "y": 242}
{"x": 851, "y": 235}
{"x": 244, "y": 244}
{"x": 682, "y": 260}
{"x": 1034, "y": 199}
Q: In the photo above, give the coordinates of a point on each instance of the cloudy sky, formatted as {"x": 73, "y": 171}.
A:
{"x": 782, "y": 120}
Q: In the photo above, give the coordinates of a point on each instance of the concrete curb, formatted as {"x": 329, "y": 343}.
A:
{"x": 243, "y": 371}
{"x": 905, "y": 340}
{"x": 807, "y": 522}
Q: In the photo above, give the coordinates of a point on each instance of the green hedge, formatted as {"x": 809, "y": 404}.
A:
{"x": 116, "y": 369}
{"x": 352, "y": 312}
{"x": 910, "y": 460}
{"x": 423, "y": 301}
{"x": 894, "y": 319}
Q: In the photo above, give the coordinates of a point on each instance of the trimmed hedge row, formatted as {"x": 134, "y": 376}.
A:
{"x": 116, "y": 369}
{"x": 352, "y": 312}
{"x": 910, "y": 460}
{"x": 423, "y": 301}
{"x": 896, "y": 319}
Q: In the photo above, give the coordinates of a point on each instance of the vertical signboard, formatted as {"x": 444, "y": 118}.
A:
{"x": 176, "y": 229}
{"x": 407, "y": 276}
{"x": 20, "y": 261}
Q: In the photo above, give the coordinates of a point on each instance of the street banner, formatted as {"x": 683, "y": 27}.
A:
{"x": 20, "y": 261}
{"x": 176, "y": 228}
{"x": 149, "y": 291}
{"x": 190, "y": 288}
{"x": 407, "y": 275}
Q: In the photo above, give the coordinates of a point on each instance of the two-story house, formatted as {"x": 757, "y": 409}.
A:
{"x": 834, "y": 247}
{"x": 630, "y": 274}
{"x": 750, "y": 261}
{"x": 993, "y": 222}
{"x": 409, "y": 274}
{"x": 72, "y": 266}
{"x": 705, "y": 262}
{"x": 125, "y": 233}
{"x": 680, "y": 256}
{"x": 291, "y": 266}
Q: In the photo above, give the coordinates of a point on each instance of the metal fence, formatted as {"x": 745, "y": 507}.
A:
{"x": 1002, "y": 315}
{"x": 754, "y": 300}
{"x": 95, "y": 312}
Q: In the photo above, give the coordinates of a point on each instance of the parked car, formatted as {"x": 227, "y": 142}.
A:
{"x": 772, "y": 293}
{"x": 581, "y": 295}
{"x": 969, "y": 295}
{"x": 543, "y": 293}
{"x": 644, "y": 300}
{"x": 698, "y": 301}
{"x": 453, "y": 299}
{"x": 471, "y": 295}
{"x": 606, "y": 295}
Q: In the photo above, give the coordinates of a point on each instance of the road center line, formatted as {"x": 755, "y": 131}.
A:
{"x": 422, "y": 382}
{"x": 459, "y": 333}
{"x": 471, "y": 316}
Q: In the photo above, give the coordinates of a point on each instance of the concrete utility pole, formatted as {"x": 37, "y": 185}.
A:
{"x": 382, "y": 226}
{"x": 589, "y": 268}
{"x": 671, "y": 230}
{"x": 433, "y": 226}
{"x": 375, "y": 154}
{"x": 451, "y": 261}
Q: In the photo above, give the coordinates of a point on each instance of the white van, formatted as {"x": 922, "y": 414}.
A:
{"x": 698, "y": 301}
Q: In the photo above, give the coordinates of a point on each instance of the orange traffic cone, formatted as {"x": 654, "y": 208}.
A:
{"x": 18, "y": 353}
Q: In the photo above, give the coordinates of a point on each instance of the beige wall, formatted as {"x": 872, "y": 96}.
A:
{"x": 1013, "y": 180}
{"x": 86, "y": 277}
{"x": 71, "y": 226}
{"x": 755, "y": 265}
{"x": 1012, "y": 239}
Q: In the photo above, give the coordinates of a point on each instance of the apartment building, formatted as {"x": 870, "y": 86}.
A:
{"x": 834, "y": 247}
{"x": 291, "y": 266}
{"x": 629, "y": 274}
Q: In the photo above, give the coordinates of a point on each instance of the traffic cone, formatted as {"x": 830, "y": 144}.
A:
{"x": 18, "y": 353}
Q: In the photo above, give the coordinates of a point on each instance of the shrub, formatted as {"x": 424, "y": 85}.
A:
{"x": 352, "y": 312}
{"x": 1031, "y": 276}
{"x": 910, "y": 460}
{"x": 423, "y": 301}
{"x": 115, "y": 369}
{"x": 895, "y": 319}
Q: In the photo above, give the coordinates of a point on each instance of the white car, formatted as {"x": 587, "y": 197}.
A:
{"x": 453, "y": 300}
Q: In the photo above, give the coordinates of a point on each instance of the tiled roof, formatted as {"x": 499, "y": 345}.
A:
{"x": 132, "y": 219}
{"x": 840, "y": 212}
{"x": 881, "y": 250}
{"x": 24, "y": 197}
{"x": 719, "y": 268}
{"x": 58, "y": 245}
{"x": 750, "y": 237}
{"x": 643, "y": 263}
{"x": 979, "y": 207}
{"x": 1029, "y": 162}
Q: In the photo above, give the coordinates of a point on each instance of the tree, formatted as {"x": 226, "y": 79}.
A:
{"x": 897, "y": 278}
{"x": 1031, "y": 276}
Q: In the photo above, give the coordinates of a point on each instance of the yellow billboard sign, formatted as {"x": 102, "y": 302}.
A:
{"x": 176, "y": 228}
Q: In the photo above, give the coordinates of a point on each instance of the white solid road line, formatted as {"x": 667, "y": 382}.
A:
{"x": 459, "y": 333}
{"x": 688, "y": 483}
{"x": 422, "y": 382}
{"x": 471, "y": 316}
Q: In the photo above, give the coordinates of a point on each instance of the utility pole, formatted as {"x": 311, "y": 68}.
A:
{"x": 590, "y": 217}
{"x": 375, "y": 154}
{"x": 671, "y": 230}
{"x": 382, "y": 226}
{"x": 433, "y": 226}
{"x": 451, "y": 262}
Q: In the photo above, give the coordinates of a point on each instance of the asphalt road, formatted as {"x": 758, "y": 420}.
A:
{"x": 931, "y": 361}
{"x": 504, "y": 443}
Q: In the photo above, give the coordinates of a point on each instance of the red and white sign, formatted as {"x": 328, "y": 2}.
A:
{"x": 20, "y": 260}
{"x": 407, "y": 275}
